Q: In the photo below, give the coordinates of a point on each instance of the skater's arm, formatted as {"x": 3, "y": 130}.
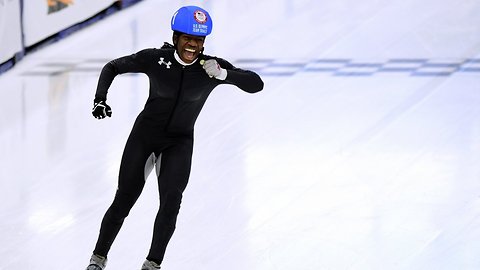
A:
{"x": 134, "y": 63}
{"x": 246, "y": 80}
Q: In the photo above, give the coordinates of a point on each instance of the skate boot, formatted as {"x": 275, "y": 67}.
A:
{"x": 149, "y": 265}
{"x": 97, "y": 263}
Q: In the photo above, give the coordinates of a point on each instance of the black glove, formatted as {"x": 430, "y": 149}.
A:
{"x": 101, "y": 109}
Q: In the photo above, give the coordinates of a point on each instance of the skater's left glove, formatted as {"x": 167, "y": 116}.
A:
{"x": 213, "y": 69}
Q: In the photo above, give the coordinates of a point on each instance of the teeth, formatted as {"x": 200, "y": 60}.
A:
{"x": 190, "y": 50}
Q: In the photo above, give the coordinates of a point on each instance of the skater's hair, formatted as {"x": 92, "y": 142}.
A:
{"x": 176, "y": 35}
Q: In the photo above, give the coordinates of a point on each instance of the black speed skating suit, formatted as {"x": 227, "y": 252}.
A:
{"x": 165, "y": 128}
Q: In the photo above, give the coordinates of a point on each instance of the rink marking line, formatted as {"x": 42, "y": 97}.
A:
{"x": 352, "y": 67}
{"x": 289, "y": 67}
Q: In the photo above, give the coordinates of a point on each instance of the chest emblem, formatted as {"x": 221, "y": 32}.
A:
{"x": 161, "y": 62}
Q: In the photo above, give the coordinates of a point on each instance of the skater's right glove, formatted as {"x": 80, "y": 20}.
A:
{"x": 101, "y": 109}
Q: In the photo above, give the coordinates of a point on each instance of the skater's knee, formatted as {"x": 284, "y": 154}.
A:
{"x": 121, "y": 206}
{"x": 172, "y": 200}
{"x": 116, "y": 215}
{"x": 170, "y": 207}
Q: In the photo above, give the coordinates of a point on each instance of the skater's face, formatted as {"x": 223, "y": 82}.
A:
{"x": 188, "y": 46}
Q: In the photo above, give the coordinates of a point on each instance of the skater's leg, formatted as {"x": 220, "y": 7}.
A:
{"x": 172, "y": 181}
{"x": 130, "y": 184}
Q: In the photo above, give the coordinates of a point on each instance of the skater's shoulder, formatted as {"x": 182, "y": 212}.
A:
{"x": 224, "y": 63}
{"x": 167, "y": 47}
{"x": 147, "y": 52}
{"x": 208, "y": 57}
{"x": 156, "y": 51}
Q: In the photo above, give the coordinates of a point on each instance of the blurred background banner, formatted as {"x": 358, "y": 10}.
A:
{"x": 10, "y": 29}
{"x": 42, "y": 19}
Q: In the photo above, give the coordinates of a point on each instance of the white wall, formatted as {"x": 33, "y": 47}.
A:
{"x": 10, "y": 29}
{"x": 39, "y": 23}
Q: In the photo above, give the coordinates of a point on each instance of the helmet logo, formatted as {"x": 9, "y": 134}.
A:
{"x": 200, "y": 16}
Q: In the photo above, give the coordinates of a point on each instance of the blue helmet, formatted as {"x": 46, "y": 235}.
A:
{"x": 192, "y": 20}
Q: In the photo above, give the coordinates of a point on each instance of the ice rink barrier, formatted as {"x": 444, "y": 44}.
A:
{"x": 26, "y": 25}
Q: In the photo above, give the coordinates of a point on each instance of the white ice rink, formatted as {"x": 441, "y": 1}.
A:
{"x": 362, "y": 151}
